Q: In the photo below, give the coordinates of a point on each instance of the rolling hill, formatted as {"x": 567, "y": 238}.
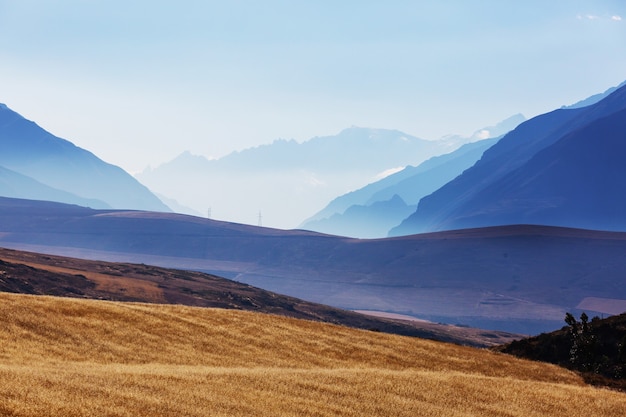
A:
{"x": 520, "y": 279}
{"x": 68, "y": 357}
{"x": 38, "y": 274}
{"x": 563, "y": 168}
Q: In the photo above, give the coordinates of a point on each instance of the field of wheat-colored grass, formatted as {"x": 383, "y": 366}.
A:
{"x": 69, "y": 357}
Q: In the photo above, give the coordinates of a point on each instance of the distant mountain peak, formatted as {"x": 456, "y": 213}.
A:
{"x": 489, "y": 132}
{"x": 188, "y": 155}
{"x": 374, "y": 133}
{"x": 499, "y": 129}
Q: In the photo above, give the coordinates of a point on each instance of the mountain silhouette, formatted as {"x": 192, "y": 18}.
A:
{"x": 371, "y": 211}
{"x": 364, "y": 221}
{"x": 561, "y": 168}
{"x": 15, "y": 185}
{"x": 594, "y": 98}
{"x": 31, "y": 151}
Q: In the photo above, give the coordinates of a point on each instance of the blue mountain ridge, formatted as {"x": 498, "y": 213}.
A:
{"x": 31, "y": 151}
{"x": 15, "y": 185}
{"x": 512, "y": 184}
{"x": 372, "y": 210}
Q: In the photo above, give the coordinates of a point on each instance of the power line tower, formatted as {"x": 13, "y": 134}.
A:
{"x": 209, "y": 213}
{"x": 260, "y": 219}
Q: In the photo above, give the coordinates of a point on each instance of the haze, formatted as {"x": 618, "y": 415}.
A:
{"x": 137, "y": 83}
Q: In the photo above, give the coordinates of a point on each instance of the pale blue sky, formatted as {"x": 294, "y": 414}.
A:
{"x": 138, "y": 82}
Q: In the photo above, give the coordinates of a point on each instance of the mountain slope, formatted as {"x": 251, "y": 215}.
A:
{"x": 364, "y": 221}
{"x": 85, "y": 357}
{"x": 361, "y": 213}
{"x": 454, "y": 204}
{"x": 15, "y": 185}
{"x": 520, "y": 279}
{"x": 594, "y": 98}
{"x": 29, "y": 150}
{"x": 576, "y": 182}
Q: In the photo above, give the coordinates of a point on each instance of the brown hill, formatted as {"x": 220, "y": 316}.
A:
{"x": 69, "y": 357}
{"x": 33, "y": 273}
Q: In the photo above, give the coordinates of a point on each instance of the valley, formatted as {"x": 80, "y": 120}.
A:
{"x": 520, "y": 279}
{"x": 290, "y": 209}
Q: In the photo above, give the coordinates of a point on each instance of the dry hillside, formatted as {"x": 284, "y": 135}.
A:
{"x": 41, "y": 274}
{"x": 71, "y": 357}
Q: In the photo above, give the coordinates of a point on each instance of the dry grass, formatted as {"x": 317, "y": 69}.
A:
{"x": 68, "y": 357}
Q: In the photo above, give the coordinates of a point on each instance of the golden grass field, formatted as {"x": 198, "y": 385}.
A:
{"x": 69, "y": 357}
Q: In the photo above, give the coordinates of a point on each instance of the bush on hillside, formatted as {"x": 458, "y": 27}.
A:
{"x": 596, "y": 348}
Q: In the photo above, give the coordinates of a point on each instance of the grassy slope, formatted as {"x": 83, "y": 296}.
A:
{"x": 35, "y": 273}
{"x": 69, "y": 357}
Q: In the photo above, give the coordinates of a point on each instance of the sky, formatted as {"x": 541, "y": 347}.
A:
{"x": 138, "y": 82}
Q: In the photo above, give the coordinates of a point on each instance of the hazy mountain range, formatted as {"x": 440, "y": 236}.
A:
{"x": 36, "y": 164}
{"x": 563, "y": 168}
{"x": 289, "y": 181}
{"x": 371, "y": 211}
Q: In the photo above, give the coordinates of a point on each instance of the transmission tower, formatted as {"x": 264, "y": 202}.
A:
{"x": 260, "y": 219}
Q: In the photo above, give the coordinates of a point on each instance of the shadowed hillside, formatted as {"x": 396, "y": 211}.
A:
{"x": 520, "y": 279}
{"x": 596, "y": 348}
{"x": 67, "y": 357}
{"x": 563, "y": 168}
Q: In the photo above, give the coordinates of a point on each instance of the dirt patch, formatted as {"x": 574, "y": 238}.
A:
{"x": 130, "y": 287}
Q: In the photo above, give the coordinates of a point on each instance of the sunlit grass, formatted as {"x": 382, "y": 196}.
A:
{"x": 63, "y": 357}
